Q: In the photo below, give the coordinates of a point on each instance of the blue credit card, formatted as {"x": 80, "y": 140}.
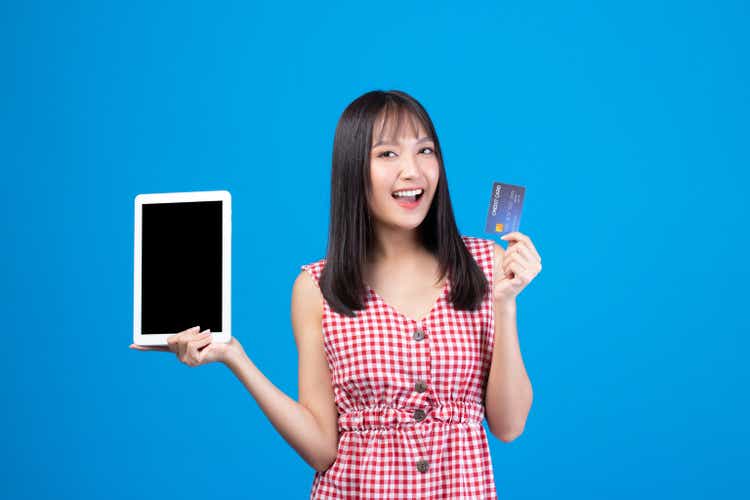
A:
{"x": 504, "y": 214}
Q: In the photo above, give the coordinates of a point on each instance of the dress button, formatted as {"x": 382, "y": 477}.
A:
{"x": 419, "y": 415}
{"x": 418, "y": 335}
{"x": 423, "y": 465}
{"x": 420, "y": 386}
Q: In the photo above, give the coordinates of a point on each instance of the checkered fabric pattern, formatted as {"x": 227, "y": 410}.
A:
{"x": 410, "y": 397}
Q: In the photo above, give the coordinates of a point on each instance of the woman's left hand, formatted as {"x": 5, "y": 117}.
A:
{"x": 520, "y": 264}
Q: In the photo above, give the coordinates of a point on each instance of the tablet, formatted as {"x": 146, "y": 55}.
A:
{"x": 182, "y": 265}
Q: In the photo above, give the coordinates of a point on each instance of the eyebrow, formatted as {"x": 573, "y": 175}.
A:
{"x": 383, "y": 143}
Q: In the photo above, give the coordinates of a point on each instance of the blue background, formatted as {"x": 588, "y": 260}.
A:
{"x": 627, "y": 124}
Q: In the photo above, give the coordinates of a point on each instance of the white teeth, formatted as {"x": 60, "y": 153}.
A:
{"x": 412, "y": 192}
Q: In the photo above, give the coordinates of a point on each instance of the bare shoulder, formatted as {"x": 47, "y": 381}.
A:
{"x": 307, "y": 304}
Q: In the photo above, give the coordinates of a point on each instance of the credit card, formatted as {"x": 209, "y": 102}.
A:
{"x": 504, "y": 214}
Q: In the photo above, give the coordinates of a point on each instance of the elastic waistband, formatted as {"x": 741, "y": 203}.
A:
{"x": 394, "y": 418}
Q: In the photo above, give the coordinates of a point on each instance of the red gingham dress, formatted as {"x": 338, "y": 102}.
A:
{"x": 410, "y": 397}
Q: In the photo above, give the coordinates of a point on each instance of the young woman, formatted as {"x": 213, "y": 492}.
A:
{"x": 406, "y": 331}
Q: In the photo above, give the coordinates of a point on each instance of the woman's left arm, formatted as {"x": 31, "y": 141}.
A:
{"x": 509, "y": 394}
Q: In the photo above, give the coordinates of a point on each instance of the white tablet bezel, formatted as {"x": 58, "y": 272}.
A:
{"x": 226, "y": 198}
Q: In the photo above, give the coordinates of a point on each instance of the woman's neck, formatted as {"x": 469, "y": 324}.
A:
{"x": 393, "y": 246}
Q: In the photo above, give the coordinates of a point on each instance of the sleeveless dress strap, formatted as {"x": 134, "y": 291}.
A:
{"x": 314, "y": 269}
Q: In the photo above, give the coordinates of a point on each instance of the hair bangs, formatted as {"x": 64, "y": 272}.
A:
{"x": 394, "y": 118}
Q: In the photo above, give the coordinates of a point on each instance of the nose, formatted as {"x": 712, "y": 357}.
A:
{"x": 409, "y": 167}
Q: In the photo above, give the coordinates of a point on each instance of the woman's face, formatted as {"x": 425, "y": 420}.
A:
{"x": 402, "y": 161}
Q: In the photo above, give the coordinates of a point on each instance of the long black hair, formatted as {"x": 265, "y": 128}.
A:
{"x": 351, "y": 230}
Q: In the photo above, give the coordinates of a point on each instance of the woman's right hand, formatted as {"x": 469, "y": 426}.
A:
{"x": 194, "y": 348}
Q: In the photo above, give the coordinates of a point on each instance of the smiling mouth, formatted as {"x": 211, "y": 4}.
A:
{"x": 409, "y": 198}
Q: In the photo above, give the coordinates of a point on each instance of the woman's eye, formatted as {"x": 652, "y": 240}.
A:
{"x": 387, "y": 154}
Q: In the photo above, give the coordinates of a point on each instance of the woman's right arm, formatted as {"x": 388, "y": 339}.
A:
{"x": 310, "y": 426}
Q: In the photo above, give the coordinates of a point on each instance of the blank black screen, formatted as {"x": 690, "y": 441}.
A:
{"x": 181, "y": 283}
